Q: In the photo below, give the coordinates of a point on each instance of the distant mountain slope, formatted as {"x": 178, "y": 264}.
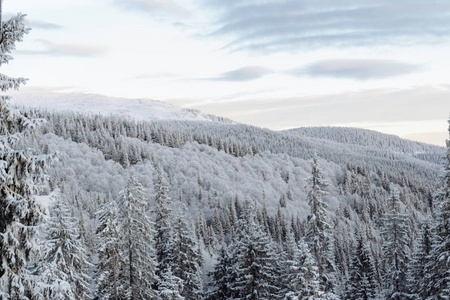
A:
{"x": 139, "y": 109}
{"x": 372, "y": 140}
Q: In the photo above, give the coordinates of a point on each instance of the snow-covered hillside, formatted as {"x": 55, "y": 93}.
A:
{"x": 139, "y": 109}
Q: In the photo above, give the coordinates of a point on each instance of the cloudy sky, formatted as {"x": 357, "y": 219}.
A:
{"x": 279, "y": 64}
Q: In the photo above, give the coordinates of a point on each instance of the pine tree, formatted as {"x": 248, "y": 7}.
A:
{"x": 221, "y": 277}
{"x": 184, "y": 259}
{"x": 137, "y": 272}
{"x": 362, "y": 283}
{"x": 439, "y": 286}
{"x": 65, "y": 257}
{"x": 395, "y": 232}
{"x": 318, "y": 229}
{"x": 20, "y": 170}
{"x": 304, "y": 282}
{"x": 109, "y": 260}
{"x": 255, "y": 268}
{"x": 162, "y": 224}
{"x": 420, "y": 265}
{"x": 171, "y": 286}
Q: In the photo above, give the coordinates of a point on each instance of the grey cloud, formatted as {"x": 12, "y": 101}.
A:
{"x": 292, "y": 24}
{"x": 55, "y": 49}
{"x": 360, "y": 69}
{"x": 373, "y": 106}
{"x": 243, "y": 74}
{"x": 43, "y": 25}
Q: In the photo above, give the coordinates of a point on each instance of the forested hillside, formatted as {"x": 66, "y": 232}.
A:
{"x": 210, "y": 193}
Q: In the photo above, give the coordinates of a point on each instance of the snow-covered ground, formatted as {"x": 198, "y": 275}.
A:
{"x": 139, "y": 109}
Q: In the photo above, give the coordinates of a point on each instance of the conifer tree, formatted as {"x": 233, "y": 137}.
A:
{"x": 255, "y": 269}
{"x": 184, "y": 260}
{"x": 420, "y": 267}
{"x": 395, "y": 232}
{"x": 439, "y": 286}
{"x": 318, "y": 229}
{"x": 221, "y": 277}
{"x": 65, "y": 260}
{"x": 20, "y": 170}
{"x": 137, "y": 272}
{"x": 109, "y": 254}
{"x": 162, "y": 224}
{"x": 171, "y": 286}
{"x": 362, "y": 283}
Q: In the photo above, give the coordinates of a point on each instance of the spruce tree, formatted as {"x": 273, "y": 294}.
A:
{"x": 162, "y": 224}
{"x": 395, "y": 232}
{"x": 318, "y": 229}
{"x": 439, "y": 286}
{"x": 221, "y": 277}
{"x": 420, "y": 267}
{"x": 137, "y": 269}
{"x": 255, "y": 269}
{"x": 65, "y": 260}
{"x": 184, "y": 259}
{"x": 109, "y": 254}
{"x": 362, "y": 283}
{"x": 20, "y": 170}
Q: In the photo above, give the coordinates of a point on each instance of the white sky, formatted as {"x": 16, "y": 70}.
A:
{"x": 278, "y": 64}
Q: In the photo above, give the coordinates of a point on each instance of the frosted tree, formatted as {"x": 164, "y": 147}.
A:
{"x": 439, "y": 285}
{"x": 318, "y": 228}
{"x": 362, "y": 282}
{"x": 171, "y": 286}
{"x": 20, "y": 171}
{"x": 137, "y": 273}
{"x": 162, "y": 223}
{"x": 109, "y": 254}
{"x": 64, "y": 266}
{"x": 420, "y": 266}
{"x": 304, "y": 281}
{"x": 396, "y": 250}
{"x": 255, "y": 268}
{"x": 221, "y": 277}
{"x": 184, "y": 259}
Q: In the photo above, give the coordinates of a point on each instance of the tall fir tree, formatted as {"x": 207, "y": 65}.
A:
{"x": 439, "y": 286}
{"x": 162, "y": 223}
{"x": 184, "y": 259}
{"x": 318, "y": 229}
{"x": 221, "y": 277}
{"x": 137, "y": 269}
{"x": 109, "y": 254}
{"x": 396, "y": 250}
{"x": 420, "y": 266}
{"x": 64, "y": 260}
{"x": 255, "y": 261}
{"x": 20, "y": 170}
{"x": 362, "y": 284}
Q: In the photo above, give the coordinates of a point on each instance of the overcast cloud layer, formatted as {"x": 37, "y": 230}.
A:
{"x": 292, "y": 24}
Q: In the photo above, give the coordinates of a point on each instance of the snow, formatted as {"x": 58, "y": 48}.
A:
{"x": 139, "y": 109}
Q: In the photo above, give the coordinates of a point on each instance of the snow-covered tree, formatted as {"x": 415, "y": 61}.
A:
{"x": 137, "y": 269}
{"x": 304, "y": 282}
{"x": 439, "y": 285}
{"x": 184, "y": 260}
{"x": 221, "y": 277}
{"x": 362, "y": 283}
{"x": 109, "y": 253}
{"x": 64, "y": 260}
{"x": 162, "y": 223}
{"x": 171, "y": 286}
{"x": 255, "y": 261}
{"x": 20, "y": 170}
{"x": 318, "y": 229}
{"x": 420, "y": 266}
{"x": 396, "y": 250}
